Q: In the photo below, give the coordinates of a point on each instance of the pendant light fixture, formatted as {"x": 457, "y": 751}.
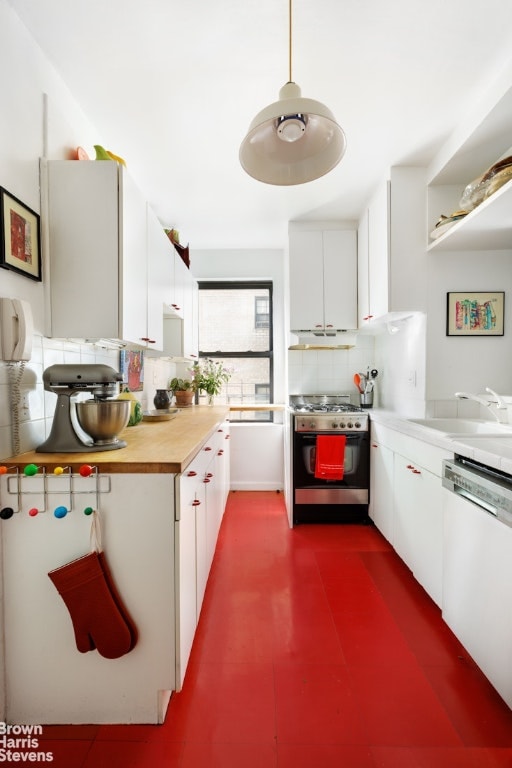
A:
{"x": 293, "y": 140}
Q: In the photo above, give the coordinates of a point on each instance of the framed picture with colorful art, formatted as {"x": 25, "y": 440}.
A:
{"x": 479, "y": 313}
{"x": 131, "y": 365}
{"x": 20, "y": 245}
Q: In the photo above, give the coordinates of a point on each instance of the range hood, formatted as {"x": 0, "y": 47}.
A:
{"x": 323, "y": 340}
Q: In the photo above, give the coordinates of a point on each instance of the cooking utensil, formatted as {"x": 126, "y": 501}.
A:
{"x": 357, "y": 382}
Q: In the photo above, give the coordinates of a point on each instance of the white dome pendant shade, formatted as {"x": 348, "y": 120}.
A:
{"x": 292, "y": 141}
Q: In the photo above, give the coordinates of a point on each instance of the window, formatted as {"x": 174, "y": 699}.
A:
{"x": 235, "y": 327}
{"x": 262, "y": 318}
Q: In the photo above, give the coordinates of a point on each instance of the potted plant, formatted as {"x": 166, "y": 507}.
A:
{"x": 183, "y": 390}
{"x": 209, "y": 376}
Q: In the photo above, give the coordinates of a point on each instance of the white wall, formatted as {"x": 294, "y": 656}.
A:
{"x": 422, "y": 366}
{"x": 401, "y": 359}
{"x": 332, "y": 371}
{"x": 468, "y": 364}
{"x": 39, "y": 117}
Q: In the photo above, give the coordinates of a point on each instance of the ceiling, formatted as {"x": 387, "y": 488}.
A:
{"x": 172, "y": 87}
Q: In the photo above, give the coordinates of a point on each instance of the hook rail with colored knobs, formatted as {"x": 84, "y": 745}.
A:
{"x": 35, "y": 481}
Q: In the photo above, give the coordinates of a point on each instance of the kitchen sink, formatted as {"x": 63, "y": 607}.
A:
{"x": 473, "y": 427}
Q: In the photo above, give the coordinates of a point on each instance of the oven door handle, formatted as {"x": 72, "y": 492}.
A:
{"x": 311, "y": 436}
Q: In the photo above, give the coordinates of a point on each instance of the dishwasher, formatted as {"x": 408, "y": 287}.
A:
{"x": 477, "y": 565}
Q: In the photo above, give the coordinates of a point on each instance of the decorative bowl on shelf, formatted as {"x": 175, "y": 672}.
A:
{"x": 487, "y": 184}
{"x": 444, "y": 223}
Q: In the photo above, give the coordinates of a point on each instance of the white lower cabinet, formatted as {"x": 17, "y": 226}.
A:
{"x": 418, "y": 524}
{"x": 405, "y": 502}
{"x": 49, "y": 680}
{"x": 381, "y": 488}
{"x": 456, "y": 550}
{"x": 477, "y": 587}
{"x": 190, "y": 498}
{"x": 201, "y": 493}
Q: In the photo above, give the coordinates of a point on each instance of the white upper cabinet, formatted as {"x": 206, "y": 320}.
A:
{"x": 323, "y": 280}
{"x": 473, "y": 149}
{"x": 160, "y": 277}
{"x": 107, "y": 268}
{"x": 373, "y": 257}
{"x": 181, "y": 319}
{"x": 391, "y": 247}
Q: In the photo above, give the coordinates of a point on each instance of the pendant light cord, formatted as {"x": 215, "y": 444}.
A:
{"x": 290, "y": 41}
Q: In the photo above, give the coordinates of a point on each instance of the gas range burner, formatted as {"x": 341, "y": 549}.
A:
{"x": 327, "y": 413}
{"x": 327, "y": 408}
{"x": 323, "y": 404}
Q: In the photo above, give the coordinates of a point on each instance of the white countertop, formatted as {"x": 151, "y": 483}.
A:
{"x": 494, "y": 451}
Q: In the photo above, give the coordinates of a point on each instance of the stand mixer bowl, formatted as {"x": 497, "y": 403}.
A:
{"x": 103, "y": 420}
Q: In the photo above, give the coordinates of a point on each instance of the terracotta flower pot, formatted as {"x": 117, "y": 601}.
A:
{"x": 184, "y": 397}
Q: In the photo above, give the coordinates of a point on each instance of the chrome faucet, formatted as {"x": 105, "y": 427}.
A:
{"x": 500, "y": 403}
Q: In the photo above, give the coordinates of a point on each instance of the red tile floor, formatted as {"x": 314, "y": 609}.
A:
{"x": 316, "y": 648}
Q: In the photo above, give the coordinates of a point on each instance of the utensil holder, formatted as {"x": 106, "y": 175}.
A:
{"x": 366, "y": 399}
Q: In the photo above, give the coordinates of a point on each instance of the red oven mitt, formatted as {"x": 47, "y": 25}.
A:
{"x": 97, "y": 620}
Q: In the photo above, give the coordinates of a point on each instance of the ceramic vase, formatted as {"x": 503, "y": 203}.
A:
{"x": 162, "y": 399}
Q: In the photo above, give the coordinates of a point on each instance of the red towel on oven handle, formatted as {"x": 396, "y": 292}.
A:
{"x": 330, "y": 457}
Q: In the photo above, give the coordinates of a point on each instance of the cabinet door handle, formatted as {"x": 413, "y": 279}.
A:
{"x": 220, "y": 430}
{"x": 191, "y": 473}
{"x": 416, "y": 471}
{"x": 409, "y": 466}
{"x": 206, "y": 480}
{"x": 329, "y": 325}
{"x": 319, "y": 325}
{"x": 375, "y": 445}
{"x": 368, "y": 317}
{"x": 209, "y": 474}
{"x": 148, "y": 340}
{"x": 208, "y": 448}
{"x": 196, "y": 503}
{"x": 227, "y": 437}
{"x": 220, "y": 453}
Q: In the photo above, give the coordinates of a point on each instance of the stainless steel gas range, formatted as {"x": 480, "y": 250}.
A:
{"x": 342, "y": 495}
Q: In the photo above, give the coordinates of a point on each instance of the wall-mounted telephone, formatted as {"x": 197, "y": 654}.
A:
{"x": 16, "y": 330}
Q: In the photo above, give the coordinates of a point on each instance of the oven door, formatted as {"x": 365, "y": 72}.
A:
{"x": 352, "y": 489}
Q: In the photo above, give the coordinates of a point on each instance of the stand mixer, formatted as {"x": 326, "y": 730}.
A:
{"x": 100, "y": 419}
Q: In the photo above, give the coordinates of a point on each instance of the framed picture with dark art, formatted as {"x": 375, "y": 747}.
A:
{"x": 20, "y": 244}
{"x": 479, "y": 313}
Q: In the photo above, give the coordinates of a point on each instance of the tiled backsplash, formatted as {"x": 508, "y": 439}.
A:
{"x": 36, "y": 407}
{"x": 330, "y": 371}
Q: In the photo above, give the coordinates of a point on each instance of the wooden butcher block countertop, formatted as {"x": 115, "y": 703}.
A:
{"x": 152, "y": 446}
